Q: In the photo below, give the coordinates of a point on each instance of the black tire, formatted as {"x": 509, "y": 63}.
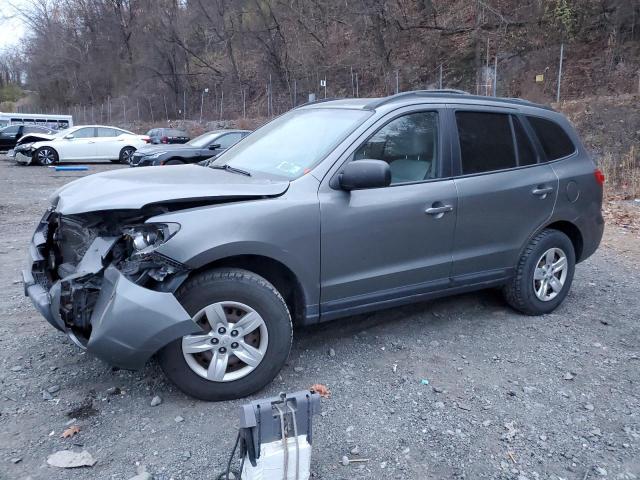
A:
{"x": 50, "y": 153}
{"x": 125, "y": 155}
{"x": 174, "y": 161}
{"x": 234, "y": 285}
{"x": 520, "y": 293}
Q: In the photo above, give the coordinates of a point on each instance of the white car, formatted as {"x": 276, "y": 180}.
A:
{"x": 80, "y": 143}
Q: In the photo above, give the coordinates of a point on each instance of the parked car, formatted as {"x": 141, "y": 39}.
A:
{"x": 333, "y": 209}
{"x": 196, "y": 150}
{"x": 10, "y": 135}
{"x": 80, "y": 143}
{"x": 167, "y": 135}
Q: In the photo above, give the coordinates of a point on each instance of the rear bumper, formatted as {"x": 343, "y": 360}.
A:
{"x": 129, "y": 323}
{"x": 592, "y": 229}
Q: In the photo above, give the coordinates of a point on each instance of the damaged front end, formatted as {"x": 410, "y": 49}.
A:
{"x": 98, "y": 277}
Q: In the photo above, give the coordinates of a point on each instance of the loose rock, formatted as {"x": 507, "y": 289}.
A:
{"x": 71, "y": 459}
{"x": 155, "y": 401}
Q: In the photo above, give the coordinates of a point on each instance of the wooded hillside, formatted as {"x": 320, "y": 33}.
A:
{"x": 273, "y": 53}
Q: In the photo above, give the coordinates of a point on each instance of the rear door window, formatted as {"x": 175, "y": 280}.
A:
{"x": 108, "y": 132}
{"x": 554, "y": 140}
{"x": 486, "y": 142}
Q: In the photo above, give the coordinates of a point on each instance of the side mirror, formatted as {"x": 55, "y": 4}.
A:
{"x": 69, "y": 136}
{"x": 361, "y": 174}
{"x": 214, "y": 146}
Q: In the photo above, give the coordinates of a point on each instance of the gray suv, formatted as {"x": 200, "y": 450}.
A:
{"x": 333, "y": 209}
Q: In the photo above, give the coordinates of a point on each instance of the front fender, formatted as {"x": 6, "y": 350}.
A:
{"x": 285, "y": 229}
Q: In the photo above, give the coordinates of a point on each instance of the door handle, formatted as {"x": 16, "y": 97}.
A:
{"x": 542, "y": 191}
{"x": 439, "y": 210}
{"x": 91, "y": 141}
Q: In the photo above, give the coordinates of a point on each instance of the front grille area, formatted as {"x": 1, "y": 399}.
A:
{"x": 71, "y": 239}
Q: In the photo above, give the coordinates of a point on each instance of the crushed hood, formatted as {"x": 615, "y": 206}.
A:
{"x": 35, "y": 137}
{"x": 135, "y": 188}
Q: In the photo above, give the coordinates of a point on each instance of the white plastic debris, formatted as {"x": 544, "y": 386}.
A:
{"x": 270, "y": 464}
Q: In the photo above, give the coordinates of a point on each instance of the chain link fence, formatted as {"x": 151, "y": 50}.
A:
{"x": 275, "y": 95}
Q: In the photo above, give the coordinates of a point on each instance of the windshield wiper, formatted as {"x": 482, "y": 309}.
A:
{"x": 231, "y": 169}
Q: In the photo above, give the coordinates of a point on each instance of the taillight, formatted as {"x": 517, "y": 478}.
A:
{"x": 599, "y": 176}
{"x": 164, "y": 140}
{"x": 146, "y": 139}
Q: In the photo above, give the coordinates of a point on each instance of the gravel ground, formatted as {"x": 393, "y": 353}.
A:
{"x": 508, "y": 396}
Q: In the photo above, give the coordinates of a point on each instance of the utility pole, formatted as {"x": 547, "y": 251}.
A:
{"x": 137, "y": 108}
{"x": 206, "y": 90}
{"x": 353, "y": 88}
{"x": 166, "y": 110}
{"x": 295, "y": 92}
{"x": 151, "y": 109}
{"x": 221, "y": 102}
{"x": 184, "y": 105}
{"x": 244, "y": 104}
{"x": 397, "y": 82}
{"x": 486, "y": 72}
{"x": 270, "y": 98}
{"x": 124, "y": 110}
{"x": 560, "y": 72}
{"x": 357, "y": 86}
{"x": 325, "y": 85}
{"x": 495, "y": 75}
{"x": 440, "y": 78}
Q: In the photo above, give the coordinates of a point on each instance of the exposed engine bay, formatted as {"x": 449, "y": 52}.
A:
{"x": 78, "y": 248}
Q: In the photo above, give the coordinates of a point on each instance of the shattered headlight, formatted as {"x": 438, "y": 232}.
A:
{"x": 24, "y": 146}
{"x": 148, "y": 236}
{"x": 154, "y": 155}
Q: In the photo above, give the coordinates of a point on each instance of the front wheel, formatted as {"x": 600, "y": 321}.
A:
{"x": 45, "y": 156}
{"x": 126, "y": 154}
{"x": 543, "y": 275}
{"x": 244, "y": 338}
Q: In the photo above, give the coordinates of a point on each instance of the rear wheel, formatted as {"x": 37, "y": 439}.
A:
{"x": 244, "y": 340}
{"x": 126, "y": 154}
{"x": 543, "y": 275}
{"x": 45, "y": 156}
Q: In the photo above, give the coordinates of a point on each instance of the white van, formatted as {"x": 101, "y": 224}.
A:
{"x": 56, "y": 122}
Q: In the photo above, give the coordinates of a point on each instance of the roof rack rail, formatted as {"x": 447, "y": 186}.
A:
{"x": 450, "y": 92}
{"x": 319, "y": 100}
{"x": 434, "y": 92}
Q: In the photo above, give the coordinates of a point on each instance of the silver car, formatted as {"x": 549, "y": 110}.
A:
{"x": 333, "y": 209}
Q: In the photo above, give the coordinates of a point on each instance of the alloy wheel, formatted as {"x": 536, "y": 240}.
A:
{"x": 127, "y": 155}
{"x": 46, "y": 156}
{"x": 550, "y": 274}
{"x": 233, "y": 343}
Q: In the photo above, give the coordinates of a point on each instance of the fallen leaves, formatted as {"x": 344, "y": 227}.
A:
{"x": 321, "y": 390}
{"x": 71, "y": 431}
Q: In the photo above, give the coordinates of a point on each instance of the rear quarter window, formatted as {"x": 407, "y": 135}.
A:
{"x": 554, "y": 140}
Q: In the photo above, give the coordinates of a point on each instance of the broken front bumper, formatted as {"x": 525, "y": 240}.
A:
{"x": 22, "y": 157}
{"x": 129, "y": 323}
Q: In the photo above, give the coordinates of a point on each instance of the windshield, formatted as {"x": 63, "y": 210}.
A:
{"x": 203, "y": 140}
{"x": 294, "y": 142}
